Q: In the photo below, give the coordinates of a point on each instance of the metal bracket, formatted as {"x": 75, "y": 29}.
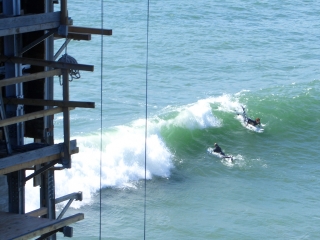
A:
{"x": 73, "y": 196}
{"x": 41, "y": 170}
{"x": 36, "y": 42}
{"x": 67, "y": 231}
{"x": 63, "y": 46}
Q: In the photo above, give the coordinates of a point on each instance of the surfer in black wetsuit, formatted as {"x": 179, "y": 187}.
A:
{"x": 217, "y": 149}
{"x": 249, "y": 120}
{"x": 253, "y": 122}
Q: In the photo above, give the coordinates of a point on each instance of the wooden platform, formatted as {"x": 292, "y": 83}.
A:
{"x": 22, "y": 226}
{"x": 30, "y": 158}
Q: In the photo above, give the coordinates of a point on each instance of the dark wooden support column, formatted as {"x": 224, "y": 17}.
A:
{"x": 13, "y": 188}
{"x": 66, "y": 120}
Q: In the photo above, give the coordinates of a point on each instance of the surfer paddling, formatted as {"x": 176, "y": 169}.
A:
{"x": 217, "y": 149}
{"x": 253, "y": 122}
{"x": 250, "y": 121}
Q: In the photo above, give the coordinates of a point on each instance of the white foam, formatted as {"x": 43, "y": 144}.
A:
{"x": 226, "y": 103}
{"x": 195, "y": 116}
{"x": 122, "y": 163}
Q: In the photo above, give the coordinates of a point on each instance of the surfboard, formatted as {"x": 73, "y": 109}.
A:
{"x": 257, "y": 128}
{"x": 224, "y": 157}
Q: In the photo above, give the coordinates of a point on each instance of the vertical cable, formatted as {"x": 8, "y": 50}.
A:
{"x": 146, "y": 131}
{"x": 101, "y": 95}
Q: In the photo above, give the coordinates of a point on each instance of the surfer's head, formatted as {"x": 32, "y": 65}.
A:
{"x": 258, "y": 120}
{"x": 215, "y": 144}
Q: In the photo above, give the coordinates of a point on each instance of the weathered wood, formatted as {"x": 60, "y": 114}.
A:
{"x": 38, "y": 212}
{"x": 38, "y": 156}
{"x": 64, "y": 12}
{"x": 29, "y": 23}
{"x": 31, "y": 116}
{"x": 47, "y": 63}
{"x": 75, "y": 36}
{"x": 66, "y": 162}
{"x": 22, "y": 226}
{"x": 41, "y": 102}
{"x": 99, "y": 31}
{"x": 31, "y": 77}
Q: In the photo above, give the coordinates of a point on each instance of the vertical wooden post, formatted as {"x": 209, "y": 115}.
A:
{"x": 21, "y": 177}
{"x": 64, "y": 13}
{"x": 64, "y": 19}
{"x": 66, "y": 120}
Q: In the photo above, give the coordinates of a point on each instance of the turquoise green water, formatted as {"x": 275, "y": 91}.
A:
{"x": 206, "y": 60}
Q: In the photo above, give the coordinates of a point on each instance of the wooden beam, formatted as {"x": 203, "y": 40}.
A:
{"x": 46, "y": 63}
{"x": 31, "y": 77}
{"x": 66, "y": 161}
{"x": 75, "y": 36}
{"x": 41, "y": 102}
{"x": 22, "y": 226}
{"x": 29, "y": 23}
{"x": 31, "y": 116}
{"x": 98, "y": 31}
{"x": 28, "y": 159}
{"x": 38, "y": 212}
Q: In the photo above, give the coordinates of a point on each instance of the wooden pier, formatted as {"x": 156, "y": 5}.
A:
{"x": 28, "y": 30}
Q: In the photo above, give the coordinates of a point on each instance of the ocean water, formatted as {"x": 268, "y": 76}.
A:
{"x": 206, "y": 59}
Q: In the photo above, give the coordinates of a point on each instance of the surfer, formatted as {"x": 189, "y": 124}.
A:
{"x": 249, "y": 120}
{"x": 253, "y": 122}
{"x": 217, "y": 149}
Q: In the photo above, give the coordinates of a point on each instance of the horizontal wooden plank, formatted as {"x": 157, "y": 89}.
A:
{"x": 47, "y": 63}
{"x": 22, "y": 226}
{"x": 38, "y": 212}
{"x": 30, "y": 77}
{"x": 31, "y": 116}
{"x": 75, "y": 36}
{"x": 33, "y": 28}
{"x": 29, "y": 23}
{"x": 29, "y": 20}
{"x": 41, "y": 102}
{"x": 98, "y": 31}
{"x": 39, "y": 161}
{"x": 34, "y": 157}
